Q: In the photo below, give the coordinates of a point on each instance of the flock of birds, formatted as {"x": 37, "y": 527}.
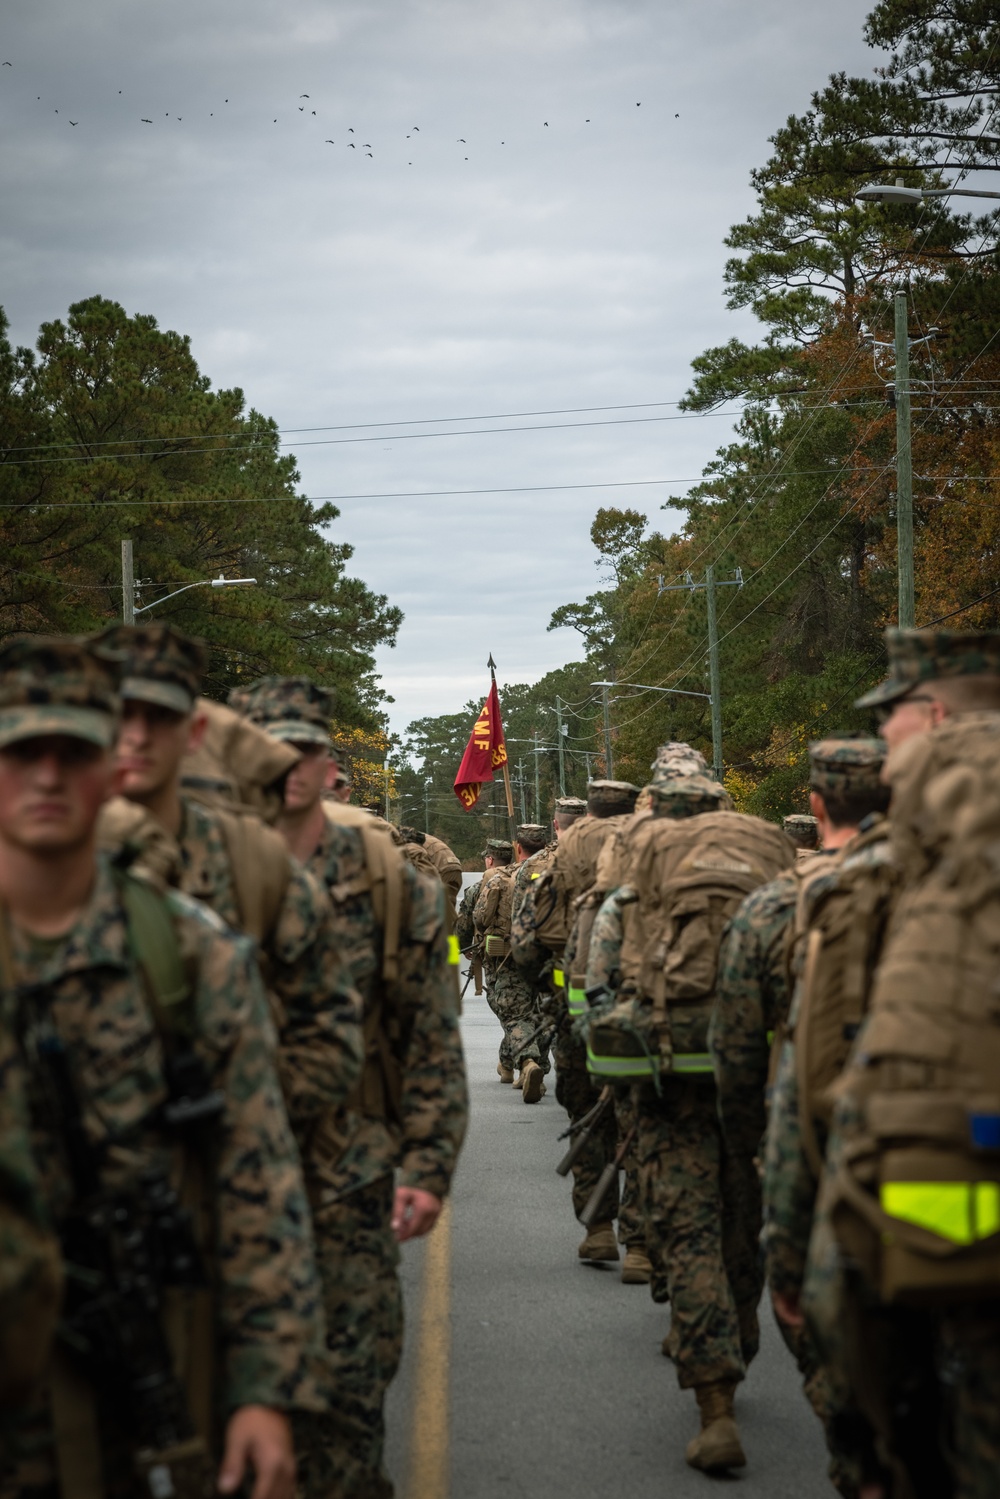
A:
{"x": 365, "y": 147}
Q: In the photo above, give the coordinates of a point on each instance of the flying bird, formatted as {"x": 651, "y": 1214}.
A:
{"x": 312, "y": 111}
{"x": 302, "y": 109}
{"x": 351, "y": 146}
{"x": 350, "y": 129}
{"x": 366, "y": 145}
{"x": 462, "y": 141}
{"x": 145, "y": 122}
{"x": 329, "y": 143}
{"x": 74, "y": 122}
{"x": 416, "y": 127}
{"x": 639, "y": 104}
{"x": 303, "y": 96}
{"x": 676, "y": 117}
{"x": 7, "y": 65}
{"x": 368, "y": 153}
{"x": 545, "y": 122}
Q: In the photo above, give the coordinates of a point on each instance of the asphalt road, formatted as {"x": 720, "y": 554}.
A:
{"x": 528, "y": 1373}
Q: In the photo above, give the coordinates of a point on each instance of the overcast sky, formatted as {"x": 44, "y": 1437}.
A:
{"x": 538, "y": 227}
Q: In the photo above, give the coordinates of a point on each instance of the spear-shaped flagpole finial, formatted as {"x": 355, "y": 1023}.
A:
{"x": 492, "y": 665}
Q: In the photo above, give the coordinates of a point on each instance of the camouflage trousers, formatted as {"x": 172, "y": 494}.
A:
{"x": 576, "y": 1091}
{"x": 340, "y": 1452}
{"x": 969, "y": 1360}
{"x": 515, "y": 1003}
{"x": 701, "y": 1217}
{"x": 846, "y": 1467}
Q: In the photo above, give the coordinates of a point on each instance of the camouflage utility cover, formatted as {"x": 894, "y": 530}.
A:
{"x": 929, "y": 655}
{"x": 294, "y": 708}
{"x": 55, "y": 685}
{"x": 846, "y": 764}
{"x": 160, "y": 664}
{"x": 611, "y": 798}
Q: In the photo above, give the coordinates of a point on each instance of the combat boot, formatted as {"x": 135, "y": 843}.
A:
{"x": 505, "y": 1074}
{"x": 717, "y": 1445}
{"x": 600, "y": 1243}
{"x": 637, "y": 1269}
{"x": 532, "y": 1082}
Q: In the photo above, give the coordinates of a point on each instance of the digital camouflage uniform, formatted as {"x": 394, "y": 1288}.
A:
{"x": 509, "y": 995}
{"x": 359, "y": 1149}
{"x": 84, "y": 997}
{"x": 575, "y": 1089}
{"x": 897, "y": 1354}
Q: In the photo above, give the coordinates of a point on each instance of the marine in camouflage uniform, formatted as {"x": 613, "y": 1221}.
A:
{"x": 803, "y": 829}
{"x": 497, "y": 855}
{"x": 411, "y": 1124}
{"x": 695, "y": 1231}
{"x": 82, "y": 996}
{"x": 748, "y": 1022}
{"x": 513, "y": 1000}
{"x": 907, "y": 1356}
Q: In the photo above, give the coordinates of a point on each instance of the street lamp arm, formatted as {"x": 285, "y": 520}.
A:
{"x": 203, "y": 583}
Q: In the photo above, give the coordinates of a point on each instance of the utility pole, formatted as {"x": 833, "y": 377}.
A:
{"x": 609, "y": 769}
{"x": 562, "y": 748}
{"x": 904, "y": 469}
{"x": 714, "y": 681}
{"x": 538, "y": 799}
{"x": 714, "y": 685}
{"x": 386, "y": 768}
{"x": 520, "y": 787}
{"x": 128, "y": 584}
{"x": 427, "y": 810}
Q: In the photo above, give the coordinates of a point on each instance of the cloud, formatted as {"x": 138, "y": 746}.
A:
{"x": 568, "y": 265}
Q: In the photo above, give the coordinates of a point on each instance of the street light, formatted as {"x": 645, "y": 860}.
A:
{"x": 676, "y": 691}
{"x": 204, "y": 583}
{"x": 896, "y": 192}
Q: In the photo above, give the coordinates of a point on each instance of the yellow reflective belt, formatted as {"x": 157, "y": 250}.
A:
{"x": 770, "y": 1038}
{"x": 559, "y": 978}
{"x": 692, "y": 1061}
{"x": 619, "y": 1066}
{"x": 959, "y": 1211}
{"x": 577, "y": 1001}
{"x": 454, "y": 951}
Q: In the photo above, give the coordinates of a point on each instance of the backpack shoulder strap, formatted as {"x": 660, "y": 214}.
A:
{"x": 154, "y": 942}
{"x": 261, "y": 867}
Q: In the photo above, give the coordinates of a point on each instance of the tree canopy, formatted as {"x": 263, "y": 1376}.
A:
{"x": 111, "y": 431}
{"x": 802, "y": 500}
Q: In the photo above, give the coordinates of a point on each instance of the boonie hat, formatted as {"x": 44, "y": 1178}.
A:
{"x": 55, "y": 684}
{"x": 606, "y": 798}
{"x": 927, "y": 655}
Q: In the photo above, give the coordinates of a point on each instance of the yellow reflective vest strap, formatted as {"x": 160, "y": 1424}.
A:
{"x": 576, "y": 1000}
{"x": 454, "y": 951}
{"x": 691, "y": 1061}
{"x": 962, "y": 1212}
{"x": 637, "y": 1067}
{"x": 559, "y": 978}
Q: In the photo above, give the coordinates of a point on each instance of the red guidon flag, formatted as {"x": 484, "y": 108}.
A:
{"x": 484, "y": 753}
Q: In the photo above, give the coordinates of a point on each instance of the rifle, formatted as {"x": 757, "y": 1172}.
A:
{"x": 583, "y": 1129}
{"x": 596, "y": 1199}
{"x": 122, "y": 1248}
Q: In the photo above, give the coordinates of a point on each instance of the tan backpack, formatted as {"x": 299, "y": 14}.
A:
{"x": 840, "y": 922}
{"x": 690, "y": 875}
{"x": 915, "y": 1200}
{"x": 492, "y": 914}
{"x": 570, "y": 873}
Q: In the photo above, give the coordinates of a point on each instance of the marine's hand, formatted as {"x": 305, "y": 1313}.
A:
{"x": 786, "y": 1304}
{"x": 414, "y": 1213}
{"x": 260, "y": 1438}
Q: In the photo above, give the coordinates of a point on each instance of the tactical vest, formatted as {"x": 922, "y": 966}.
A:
{"x": 840, "y": 921}
{"x": 690, "y": 875}
{"x": 915, "y": 1200}
{"x": 584, "y": 857}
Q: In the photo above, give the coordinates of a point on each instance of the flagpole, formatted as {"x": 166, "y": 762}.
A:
{"x": 506, "y": 768}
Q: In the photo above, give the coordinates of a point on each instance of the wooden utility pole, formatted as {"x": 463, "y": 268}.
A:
{"x": 128, "y": 584}
{"x": 904, "y": 469}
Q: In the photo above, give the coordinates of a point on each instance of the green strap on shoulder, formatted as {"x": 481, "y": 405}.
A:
{"x": 153, "y": 939}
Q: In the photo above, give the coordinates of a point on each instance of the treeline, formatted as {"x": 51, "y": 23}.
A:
{"x": 111, "y": 431}
{"x": 802, "y": 501}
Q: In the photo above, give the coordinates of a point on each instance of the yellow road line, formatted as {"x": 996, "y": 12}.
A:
{"x": 429, "y": 1469}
